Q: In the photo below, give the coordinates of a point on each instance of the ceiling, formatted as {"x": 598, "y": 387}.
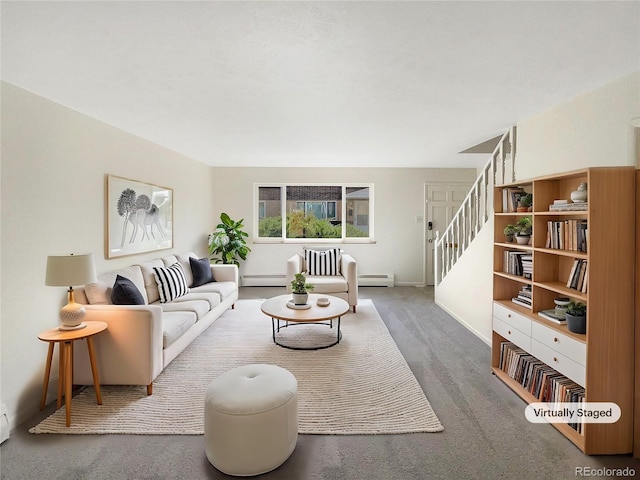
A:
{"x": 345, "y": 84}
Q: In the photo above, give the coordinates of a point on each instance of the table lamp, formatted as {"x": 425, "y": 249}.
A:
{"x": 70, "y": 270}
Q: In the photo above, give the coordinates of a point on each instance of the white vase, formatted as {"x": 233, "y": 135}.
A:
{"x": 580, "y": 195}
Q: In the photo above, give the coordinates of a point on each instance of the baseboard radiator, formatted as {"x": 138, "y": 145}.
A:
{"x": 263, "y": 280}
{"x": 370, "y": 280}
{"x": 376, "y": 280}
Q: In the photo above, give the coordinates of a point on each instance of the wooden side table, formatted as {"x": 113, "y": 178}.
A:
{"x": 66, "y": 338}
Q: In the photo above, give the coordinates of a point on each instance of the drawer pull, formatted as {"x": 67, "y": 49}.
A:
{"x": 508, "y": 315}
{"x": 555, "y": 359}
{"x": 509, "y": 332}
{"x": 555, "y": 339}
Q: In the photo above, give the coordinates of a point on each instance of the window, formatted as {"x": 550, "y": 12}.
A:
{"x": 319, "y": 212}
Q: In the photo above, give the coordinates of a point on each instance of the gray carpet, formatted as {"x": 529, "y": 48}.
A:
{"x": 486, "y": 434}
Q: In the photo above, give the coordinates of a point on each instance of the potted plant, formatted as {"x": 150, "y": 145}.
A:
{"x": 509, "y": 232}
{"x": 228, "y": 241}
{"x": 524, "y": 227}
{"x": 576, "y": 317}
{"x": 524, "y": 203}
{"x": 300, "y": 289}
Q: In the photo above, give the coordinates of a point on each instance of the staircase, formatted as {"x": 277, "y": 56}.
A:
{"x": 476, "y": 208}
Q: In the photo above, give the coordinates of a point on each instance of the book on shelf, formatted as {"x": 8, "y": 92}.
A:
{"x": 577, "y": 276}
{"x": 551, "y": 315}
{"x": 510, "y": 198}
{"x": 516, "y": 262}
{"x": 568, "y": 234}
{"x": 568, "y": 207}
{"x": 521, "y": 302}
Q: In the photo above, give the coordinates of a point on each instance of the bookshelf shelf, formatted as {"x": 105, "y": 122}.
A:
{"x": 599, "y": 364}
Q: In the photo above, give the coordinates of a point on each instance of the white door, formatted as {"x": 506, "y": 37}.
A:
{"x": 442, "y": 202}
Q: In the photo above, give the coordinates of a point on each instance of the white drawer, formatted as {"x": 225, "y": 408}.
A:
{"x": 559, "y": 362}
{"x": 563, "y": 344}
{"x": 512, "y": 334}
{"x": 512, "y": 318}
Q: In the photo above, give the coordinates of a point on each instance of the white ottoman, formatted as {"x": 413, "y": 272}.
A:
{"x": 251, "y": 419}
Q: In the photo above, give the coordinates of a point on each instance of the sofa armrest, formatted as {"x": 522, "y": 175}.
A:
{"x": 129, "y": 352}
{"x": 294, "y": 265}
{"x": 349, "y": 270}
{"x": 225, "y": 272}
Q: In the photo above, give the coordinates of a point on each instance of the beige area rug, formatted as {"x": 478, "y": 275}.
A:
{"x": 363, "y": 385}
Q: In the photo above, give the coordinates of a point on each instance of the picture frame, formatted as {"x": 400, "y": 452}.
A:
{"x": 139, "y": 217}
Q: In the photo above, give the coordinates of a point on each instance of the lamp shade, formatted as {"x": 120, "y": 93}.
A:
{"x": 70, "y": 270}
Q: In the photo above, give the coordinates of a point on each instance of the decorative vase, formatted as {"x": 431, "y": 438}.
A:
{"x": 580, "y": 195}
{"x": 576, "y": 324}
{"x": 561, "y": 306}
{"x": 300, "y": 298}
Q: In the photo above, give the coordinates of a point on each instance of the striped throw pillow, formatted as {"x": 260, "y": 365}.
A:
{"x": 324, "y": 262}
{"x": 171, "y": 282}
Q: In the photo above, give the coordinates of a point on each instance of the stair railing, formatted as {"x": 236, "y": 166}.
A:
{"x": 476, "y": 208}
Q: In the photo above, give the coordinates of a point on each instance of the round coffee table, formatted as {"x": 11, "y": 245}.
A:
{"x": 277, "y": 309}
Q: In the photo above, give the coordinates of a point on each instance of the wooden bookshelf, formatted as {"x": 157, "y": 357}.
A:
{"x": 602, "y": 360}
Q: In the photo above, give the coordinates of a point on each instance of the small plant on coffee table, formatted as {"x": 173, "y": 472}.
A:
{"x": 300, "y": 289}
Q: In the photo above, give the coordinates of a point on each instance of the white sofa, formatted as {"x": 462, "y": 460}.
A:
{"x": 141, "y": 340}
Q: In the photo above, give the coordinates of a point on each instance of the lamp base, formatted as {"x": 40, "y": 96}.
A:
{"x": 77, "y": 327}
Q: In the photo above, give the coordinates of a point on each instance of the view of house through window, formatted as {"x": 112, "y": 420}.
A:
{"x": 314, "y": 211}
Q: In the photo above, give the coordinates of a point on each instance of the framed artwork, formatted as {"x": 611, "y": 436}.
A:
{"x": 139, "y": 217}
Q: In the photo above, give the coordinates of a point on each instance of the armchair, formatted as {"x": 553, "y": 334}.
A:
{"x": 342, "y": 284}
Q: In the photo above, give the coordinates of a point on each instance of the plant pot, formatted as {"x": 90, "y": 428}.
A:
{"x": 300, "y": 298}
{"x": 576, "y": 324}
{"x": 523, "y": 239}
{"x": 522, "y": 209}
{"x": 508, "y": 238}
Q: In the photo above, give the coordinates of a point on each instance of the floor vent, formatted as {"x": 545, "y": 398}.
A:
{"x": 377, "y": 280}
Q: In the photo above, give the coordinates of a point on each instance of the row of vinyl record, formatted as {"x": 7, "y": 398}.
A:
{"x": 567, "y": 235}
{"x": 539, "y": 379}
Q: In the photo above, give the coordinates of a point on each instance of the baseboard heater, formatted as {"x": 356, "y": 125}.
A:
{"x": 376, "y": 280}
{"x": 264, "y": 280}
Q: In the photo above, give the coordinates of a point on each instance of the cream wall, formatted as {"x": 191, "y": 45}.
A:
{"x": 399, "y": 199}
{"x": 54, "y": 162}
{"x": 591, "y": 130}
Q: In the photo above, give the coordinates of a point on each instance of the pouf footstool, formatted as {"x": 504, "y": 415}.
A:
{"x": 251, "y": 419}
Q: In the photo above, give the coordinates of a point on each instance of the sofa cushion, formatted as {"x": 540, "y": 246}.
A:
{"x": 328, "y": 283}
{"x": 201, "y": 269}
{"x": 171, "y": 282}
{"x": 150, "y": 284}
{"x": 99, "y": 292}
{"x": 124, "y": 292}
{"x": 212, "y": 298}
{"x": 323, "y": 262}
{"x": 199, "y": 307}
{"x": 224, "y": 289}
{"x": 175, "y": 324}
